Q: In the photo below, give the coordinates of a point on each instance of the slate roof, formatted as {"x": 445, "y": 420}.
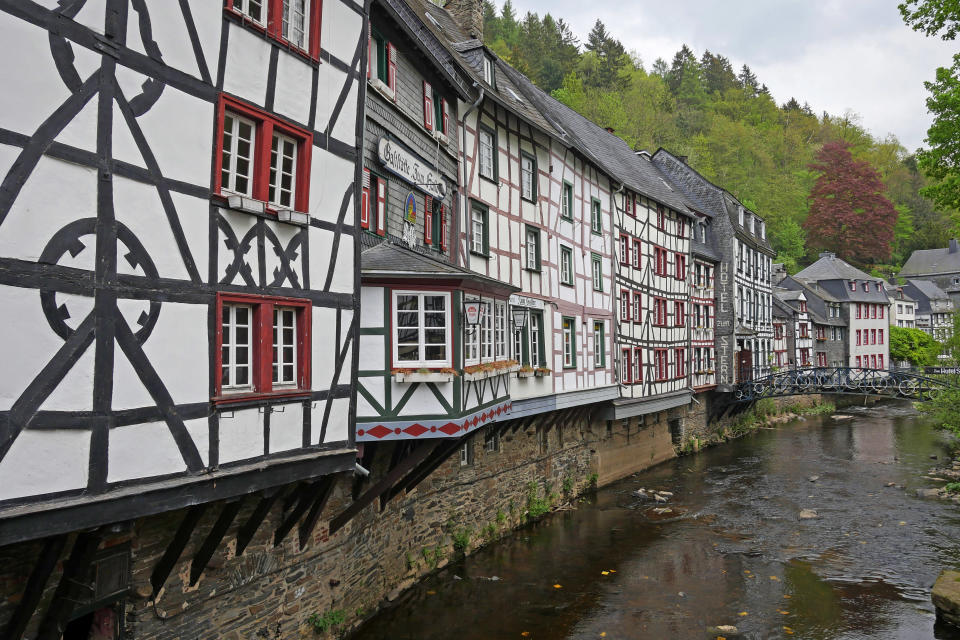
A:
{"x": 830, "y": 267}
{"x": 925, "y": 262}
{"x": 929, "y": 289}
{"x": 817, "y": 300}
{"x": 392, "y": 260}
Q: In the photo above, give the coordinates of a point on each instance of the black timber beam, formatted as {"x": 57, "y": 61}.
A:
{"x": 423, "y": 470}
{"x": 85, "y": 512}
{"x": 304, "y": 497}
{"x": 319, "y": 502}
{"x": 72, "y": 588}
{"x": 212, "y": 541}
{"x": 384, "y": 484}
{"x": 176, "y": 547}
{"x": 249, "y": 528}
{"x": 46, "y": 562}
{"x": 400, "y": 451}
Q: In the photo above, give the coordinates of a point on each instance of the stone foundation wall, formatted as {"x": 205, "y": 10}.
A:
{"x": 270, "y": 591}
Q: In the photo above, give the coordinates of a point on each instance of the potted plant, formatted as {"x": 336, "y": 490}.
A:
{"x": 542, "y": 371}
{"x": 423, "y": 374}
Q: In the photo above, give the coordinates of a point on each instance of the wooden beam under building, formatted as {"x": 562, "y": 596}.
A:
{"x": 249, "y": 528}
{"x": 71, "y": 588}
{"x": 176, "y": 547}
{"x": 46, "y": 562}
{"x": 319, "y": 502}
{"x": 212, "y": 541}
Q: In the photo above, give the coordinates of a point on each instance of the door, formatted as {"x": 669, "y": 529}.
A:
{"x": 744, "y": 365}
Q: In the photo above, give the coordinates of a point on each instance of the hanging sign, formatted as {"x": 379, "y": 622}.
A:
{"x": 471, "y": 309}
{"x": 410, "y": 209}
{"x": 411, "y": 168}
{"x": 524, "y": 301}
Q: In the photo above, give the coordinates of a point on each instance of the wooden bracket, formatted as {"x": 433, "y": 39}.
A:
{"x": 212, "y": 541}
{"x": 70, "y": 589}
{"x": 46, "y": 562}
{"x": 176, "y": 547}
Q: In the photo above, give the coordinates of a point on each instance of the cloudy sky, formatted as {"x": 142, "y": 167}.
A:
{"x": 838, "y": 55}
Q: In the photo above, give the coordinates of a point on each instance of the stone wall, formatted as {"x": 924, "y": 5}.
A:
{"x": 270, "y": 591}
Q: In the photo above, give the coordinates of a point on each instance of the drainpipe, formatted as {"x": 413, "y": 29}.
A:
{"x": 463, "y": 153}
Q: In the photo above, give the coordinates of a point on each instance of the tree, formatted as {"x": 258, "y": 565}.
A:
{"x": 932, "y": 16}
{"x": 913, "y": 346}
{"x": 605, "y": 60}
{"x": 944, "y": 408}
{"x": 747, "y": 80}
{"x": 942, "y": 161}
{"x": 849, "y": 213}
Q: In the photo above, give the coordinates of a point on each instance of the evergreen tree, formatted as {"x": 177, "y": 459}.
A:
{"x": 748, "y": 81}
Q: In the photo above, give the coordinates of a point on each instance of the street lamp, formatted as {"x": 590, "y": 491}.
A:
{"x": 519, "y": 315}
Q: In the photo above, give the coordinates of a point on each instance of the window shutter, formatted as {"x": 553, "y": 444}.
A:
{"x": 381, "y": 207}
{"x": 427, "y": 220}
{"x": 365, "y": 201}
{"x": 446, "y": 118}
{"x": 392, "y": 69}
{"x": 427, "y": 106}
{"x": 443, "y": 227}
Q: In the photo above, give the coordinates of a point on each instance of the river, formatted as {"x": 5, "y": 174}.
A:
{"x": 733, "y": 552}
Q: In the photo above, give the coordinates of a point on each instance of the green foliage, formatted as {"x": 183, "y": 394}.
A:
{"x": 432, "y": 556}
{"x": 932, "y": 17}
{"x": 536, "y": 506}
{"x": 913, "y": 346}
{"x": 952, "y": 487}
{"x": 330, "y": 619}
{"x": 501, "y": 517}
{"x": 727, "y": 124}
{"x": 942, "y": 161}
{"x": 567, "y": 486}
{"x": 461, "y": 539}
{"x": 944, "y": 407}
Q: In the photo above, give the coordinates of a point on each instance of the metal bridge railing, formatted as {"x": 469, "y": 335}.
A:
{"x": 841, "y": 380}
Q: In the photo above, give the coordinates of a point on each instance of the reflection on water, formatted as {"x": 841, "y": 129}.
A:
{"x": 736, "y": 553}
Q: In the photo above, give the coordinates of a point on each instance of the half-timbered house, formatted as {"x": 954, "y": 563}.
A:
{"x": 177, "y": 240}
{"x": 782, "y": 338}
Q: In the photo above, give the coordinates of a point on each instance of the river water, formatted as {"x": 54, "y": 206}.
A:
{"x": 733, "y": 552}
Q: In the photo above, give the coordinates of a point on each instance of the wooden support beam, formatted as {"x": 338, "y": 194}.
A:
{"x": 319, "y": 502}
{"x": 423, "y": 470}
{"x": 212, "y": 541}
{"x": 400, "y": 450}
{"x": 72, "y": 587}
{"x": 176, "y": 547}
{"x": 305, "y": 497}
{"x": 46, "y": 562}
{"x": 249, "y": 528}
{"x": 411, "y": 461}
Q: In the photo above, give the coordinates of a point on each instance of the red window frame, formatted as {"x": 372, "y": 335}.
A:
{"x": 261, "y": 371}
{"x": 637, "y": 253}
{"x": 879, "y": 336}
{"x": 880, "y": 358}
{"x": 680, "y": 363}
{"x": 821, "y": 359}
{"x": 626, "y": 365}
{"x": 803, "y": 307}
{"x": 625, "y": 305}
{"x": 274, "y": 27}
{"x": 858, "y": 337}
{"x": 637, "y": 307}
{"x": 661, "y": 365}
{"x": 873, "y": 310}
{"x": 858, "y": 363}
{"x": 660, "y": 261}
{"x": 859, "y": 311}
{"x": 661, "y": 218}
{"x": 681, "y": 228}
{"x": 624, "y": 249}
{"x": 680, "y": 266}
{"x": 266, "y": 124}
{"x": 679, "y": 314}
{"x": 660, "y": 312}
{"x": 853, "y": 285}
{"x": 882, "y": 307}
{"x": 873, "y": 361}
{"x": 637, "y": 375}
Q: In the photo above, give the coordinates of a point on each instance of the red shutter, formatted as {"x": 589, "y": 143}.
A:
{"x": 381, "y": 207}
{"x": 427, "y": 220}
{"x": 443, "y": 227}
{"x": 446, "y": 118}
{"x": 392, "y": 69}
{"x": 427, "y": 106}
{"x": 365, "y": 201}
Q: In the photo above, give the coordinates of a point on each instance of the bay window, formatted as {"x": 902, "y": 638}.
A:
{"x": 263, "y": 345}
{"x": 261, "y": 157}
{"x": 421, "y": 329}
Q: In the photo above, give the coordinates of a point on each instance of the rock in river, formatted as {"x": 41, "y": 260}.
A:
{"x": 946, "y": 597}
{"x": 808, "y": 514}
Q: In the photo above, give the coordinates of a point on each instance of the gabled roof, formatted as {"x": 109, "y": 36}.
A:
{"x": 817, "y": 299}
{"x": 928, "y": 289}
{"x": 830, "y": 267}
{"x": 925, "y": 262}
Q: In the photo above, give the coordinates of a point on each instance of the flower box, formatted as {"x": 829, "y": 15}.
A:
{"x": 540, "y": 373}
{"x": 525, "y": 374}
{"x": 432, "y": 376}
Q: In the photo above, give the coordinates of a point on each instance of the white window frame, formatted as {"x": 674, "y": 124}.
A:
{"x": 229, "y": 342}
{"x": 569, "y": 338}
{"x": 486, "y": 151}
{"x": 527, "y": 176}
{"x": 280, "y": 344}
{"x": 244, "y": 8}
{"x": 536, "y": 358}
{"x": 596, "y": 266}
{"x": 286, "y": 24}
{"x": 422, "y": 362}
{"x": 566, "y": 265}
{"x": 231, "y": 172}
{"x": 598, "y": 344}
{"x": 478, "y": 224}
{"x": 533, "y": 248}
{"x": 277, "y": 173}
{"x": 489, "y": 75}
{"x": 500, "y": 330}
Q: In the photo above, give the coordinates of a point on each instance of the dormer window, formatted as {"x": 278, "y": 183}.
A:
{"x": 853, "y": 286}
{"x": 866, "y": 287}
{"x": 489, "y": 75}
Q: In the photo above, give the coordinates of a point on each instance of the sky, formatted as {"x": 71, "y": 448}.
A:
{"x": 837, "y": 55}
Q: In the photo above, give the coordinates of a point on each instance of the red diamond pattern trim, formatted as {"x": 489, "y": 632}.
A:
{"x": 379, "y": 431}
{"x": 450, "y": 428}
{"x": 416, "y": 430}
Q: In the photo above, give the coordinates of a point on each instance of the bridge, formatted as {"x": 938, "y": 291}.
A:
{"x": 841, "y": 380}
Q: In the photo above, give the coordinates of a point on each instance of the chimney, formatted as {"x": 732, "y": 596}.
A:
{"x": 468, "y": 15}
{"x": 609, "y": 129}
{"x": 954, "y": 247}
{"x": 682, "y": 159}
{"x": 828, "y": 254}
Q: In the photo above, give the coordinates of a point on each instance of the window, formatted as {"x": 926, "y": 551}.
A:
{"x": 528, "y": 177}
{"x": 681, "y": 228}
{"x": 436, "y": 110}
{"x": 880, "y": 361}
{"x": 661, "y": 218}
{"x": 626, "y": 366}
{"x": 859, "y": 310}
{"x": 597, "y": 270}
{"x": 435, "y": 224}
{"x": 599, "y": 345}
{"x": 881, "y": 310}
{"x": 488, "y": 153}
{"x": 489, "y": 71}
{"x": 873, "y": 362}
{"x": 295, "y": 22}
{"x": 880, "y": 336}
{"x": 858, "y": 362}
{"x": 873, "y": 336}
{"x": 866, "y": 287}
{"x": 491, "y": 439}
{"x": 277, "y": 174}
{"x": 680, "y": 262}
{"x": 858, "y": 337}
{"x": 680, "y": 363}
{"x": 533, "y": 248}
{"x": 569, "y": 343}
{"x": 466, "y": 453}
{"x": 256, "y": 330}
{"x": 873, "y": 310}
{"x": 566, "y": 203}
{"x": 566, "y": 265}
{"x": 382, "y": 64}
{"x": 479, "y": 230}
{"x": 637, "y": 310}
{"x": 596, "y": 221}
{"x": 373, "y": 203}
{"x": 821, "y": 359}
{"x": 637, "y": 253}
{"x": 624, "y": 305}
{"x": 637, "y": 365}
{"x": 500, "y": 330}
{"x": 660, "y": 261}
{"x": 679, "y": 317}
{"x": 661, "y": 366}
{"x": 421, "y": 329}
{"x": 853, "y": 286}
{"x": 624, "y": 250}
{"x": 660, "y": 312}
{"x": 803, "y": 306}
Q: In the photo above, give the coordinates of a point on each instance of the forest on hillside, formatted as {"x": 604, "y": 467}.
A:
{"x": 732, "y": 130}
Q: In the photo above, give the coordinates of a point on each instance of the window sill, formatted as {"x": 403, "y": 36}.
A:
{"x": 566, "y": 218}
{"x": 485, "y": 256}
{"x": 252, "y": 206}
{"x": 433, "y": 376}
{"x": 383, "y": 89}
{"x": 533, "y": 270}
{"x": 532, "y": 200}
{"x": 490, "y": 179}
{"x": 567, "y": 284}
{"x": 252, "y": 397}
{"x": 440, "y": 137}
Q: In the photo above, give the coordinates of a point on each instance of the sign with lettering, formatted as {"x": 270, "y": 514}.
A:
{"x": 410, "y": 208}
{"x": 942, "y": 371}
{"x": 471, "y": 309}
{"x": 524, "y": 301}
{"x": 411, "y": 168}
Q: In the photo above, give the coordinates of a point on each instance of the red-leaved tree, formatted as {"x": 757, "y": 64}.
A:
{"x": 849, "y": 213}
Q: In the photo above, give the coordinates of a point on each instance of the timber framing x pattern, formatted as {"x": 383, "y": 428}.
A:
{"x": 120, "y": 274}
